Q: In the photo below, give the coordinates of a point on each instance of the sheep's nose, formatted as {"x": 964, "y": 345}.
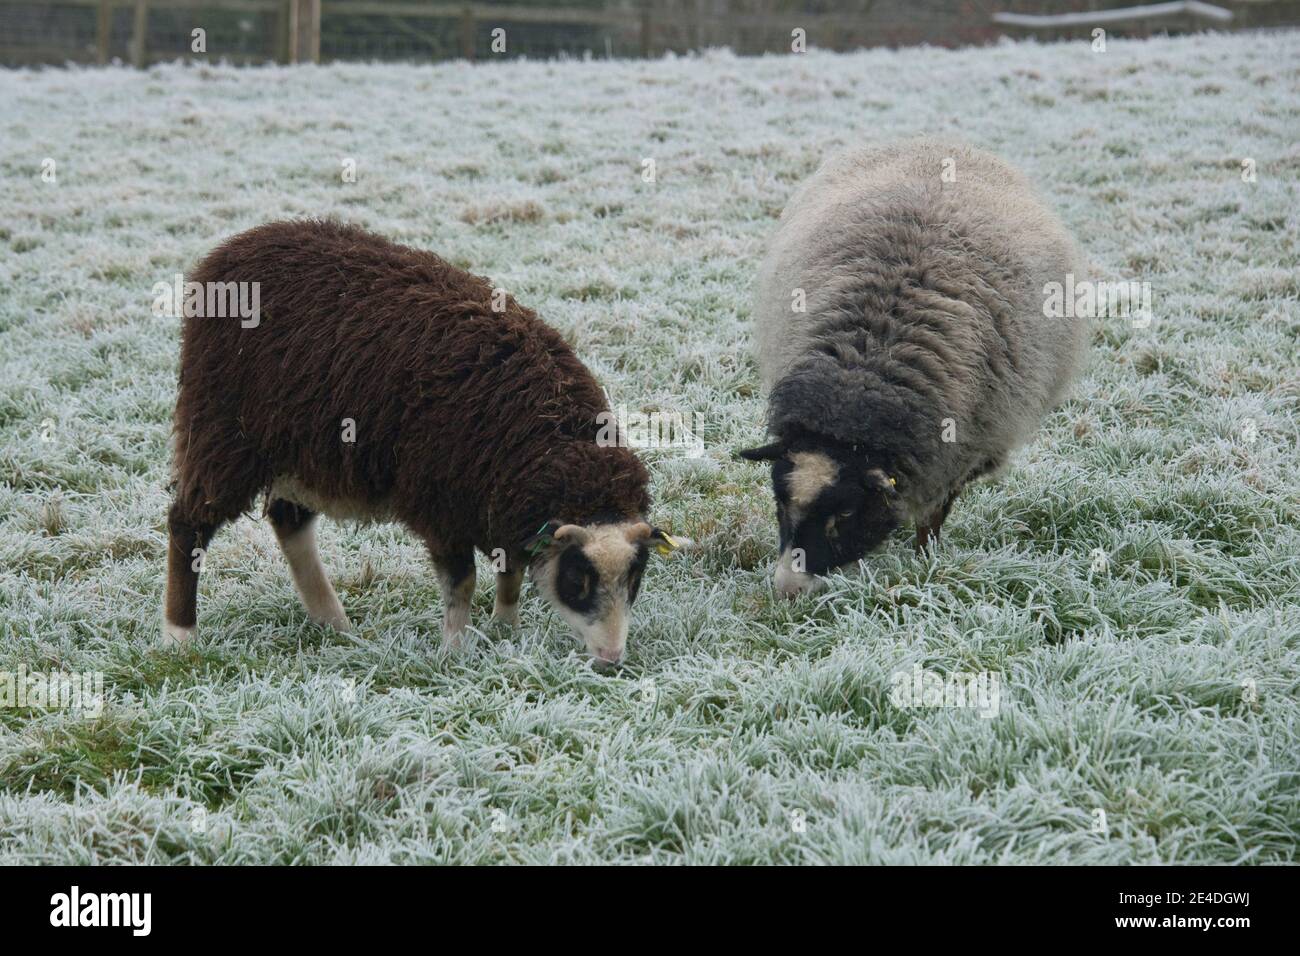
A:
{"x": 790, "y": 583}
{"x": 607, "y": 656}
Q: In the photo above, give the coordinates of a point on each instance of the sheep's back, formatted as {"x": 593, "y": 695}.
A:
{"x": 939, "y": 285}
{"x": 396, "y": 342}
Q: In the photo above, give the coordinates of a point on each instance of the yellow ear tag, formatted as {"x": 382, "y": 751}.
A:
{"x": 667, "y": 545}
{"x": 892, "y": 481}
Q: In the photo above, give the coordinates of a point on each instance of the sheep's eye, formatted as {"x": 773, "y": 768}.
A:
{"x": 576, "y": 580}
{"x": 578, "y": 583}
{"x": 847, "y": 514}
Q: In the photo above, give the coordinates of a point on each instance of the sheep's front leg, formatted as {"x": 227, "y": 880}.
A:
{"x": 925, "y": 533}
{"x": 506, "y": 607}
{"x": 295, "y": 529}
{"x": 456, "y": 579}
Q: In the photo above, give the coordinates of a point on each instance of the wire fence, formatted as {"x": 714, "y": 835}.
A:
{"x": 244, "y": 31}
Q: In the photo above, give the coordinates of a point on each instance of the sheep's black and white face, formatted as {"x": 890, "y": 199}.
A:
{"x": 831, "y": 510}
{"x": 592, "y": 574}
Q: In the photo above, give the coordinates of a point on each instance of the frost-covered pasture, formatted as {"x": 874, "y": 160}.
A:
{"x": 1133, "y": 582}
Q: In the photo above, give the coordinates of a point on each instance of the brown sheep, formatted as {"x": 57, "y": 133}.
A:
{"x": 379, "y": 382}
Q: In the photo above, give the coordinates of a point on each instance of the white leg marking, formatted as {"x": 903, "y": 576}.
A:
{"x": 455, "y": 619}
{"x": 456, "y": 600}
{"x": 506, "y": 613}
{"x": 309, "y": 578}
{"x": 174, "y": 635}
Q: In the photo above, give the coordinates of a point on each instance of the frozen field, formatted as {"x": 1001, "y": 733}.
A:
{"x": 1133, "y": 582}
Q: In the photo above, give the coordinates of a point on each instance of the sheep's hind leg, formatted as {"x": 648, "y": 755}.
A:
{"x": 295, "y": 529}
{"x": 187, "y": 543}
{"x": 455, "y": 569}
{"x": 506, "y": 607}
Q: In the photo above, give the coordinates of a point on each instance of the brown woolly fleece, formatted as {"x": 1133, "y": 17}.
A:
{"x": 473, "y": 427}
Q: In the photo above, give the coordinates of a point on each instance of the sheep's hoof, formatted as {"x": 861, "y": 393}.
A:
{"x": 509, "y": 616}
{"x": 455, "y": 638}
{"x": 174, "y": 635}
{"x": 340, "y": 624}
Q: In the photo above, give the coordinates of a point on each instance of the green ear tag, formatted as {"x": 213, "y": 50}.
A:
{"x": 540, "y": 543}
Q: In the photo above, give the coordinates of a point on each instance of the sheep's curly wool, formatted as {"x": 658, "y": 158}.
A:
{"x": 924, "y": 342}
{"x": 472, "y": 426}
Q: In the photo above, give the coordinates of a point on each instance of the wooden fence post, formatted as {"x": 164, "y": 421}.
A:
{"x": 283, "y": 17}
{"x": 468, "y": 48}
{"x": 139, "y": 34}
{"x": 304, "y": 31}
{"x": 104, "y": 31}
{"x": 314, "y": 48}
{"x": 646, "y": 28}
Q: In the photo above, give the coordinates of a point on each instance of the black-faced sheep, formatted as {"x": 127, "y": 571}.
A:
{"x": 903, "y": 343}
{"x": 379, "y": 382}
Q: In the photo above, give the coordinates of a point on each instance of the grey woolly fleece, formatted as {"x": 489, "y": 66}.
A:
{"x": 924, "y": 312}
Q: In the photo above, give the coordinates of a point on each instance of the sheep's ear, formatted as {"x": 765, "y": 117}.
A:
{"x": 656, "y": 539}
{"x": 769, "y": 452}
{"x": 571, "y": 534}
{"x": 876, "y": 480}
{"x": 544, "y": 537}
{"x": 641, "y": 531}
